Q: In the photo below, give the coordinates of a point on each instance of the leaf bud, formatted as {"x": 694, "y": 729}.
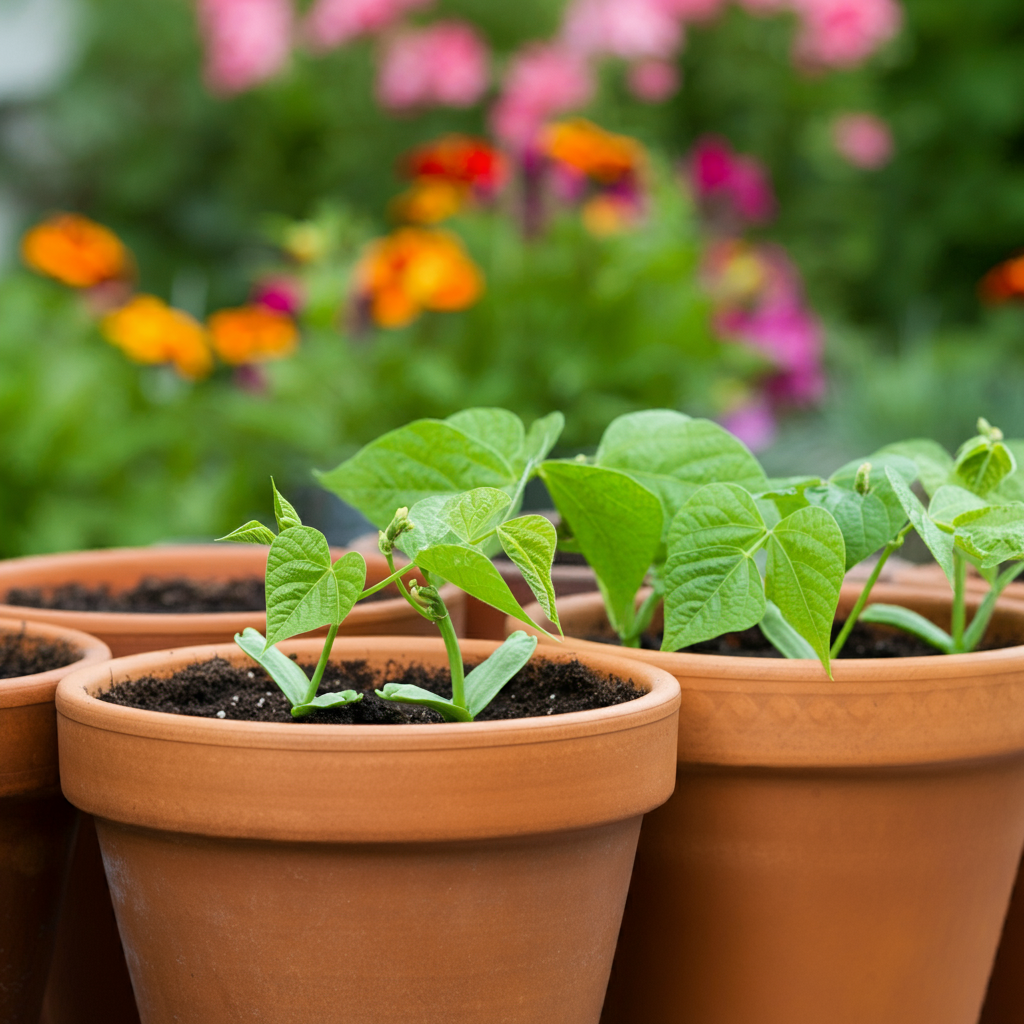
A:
{"x": 430, "y": 600}
{"x": 862, "y": 483}
{"x": 399, "y": 525}
{"x": 987, "y": 430}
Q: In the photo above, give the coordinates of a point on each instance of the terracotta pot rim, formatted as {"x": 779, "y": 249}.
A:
{"x": 22, "y": 691}
{"x": 76, "y": 701}
{"x": 156, "y": 622}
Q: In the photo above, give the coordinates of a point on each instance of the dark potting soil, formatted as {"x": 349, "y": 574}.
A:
{"x": 216, "y": 689}
{"x": 155, "y": 596}
{"x": 22, "y": 655}
{"x": 864, "y": 641}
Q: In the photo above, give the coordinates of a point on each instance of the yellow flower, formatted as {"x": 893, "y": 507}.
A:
{"x": 415, "y": 269}
{"x": 589, "y": 149}
{"x": 605, "y": 215}
{"x": 250, "y": 334}
{"x": 430, "y": 201}
{"x": 75, "y": 250}
{"x": 147, "y": 330}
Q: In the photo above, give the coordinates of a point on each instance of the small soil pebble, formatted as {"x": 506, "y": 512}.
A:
{"x": 23, "y": 655}
{"x": 216, "y": 689}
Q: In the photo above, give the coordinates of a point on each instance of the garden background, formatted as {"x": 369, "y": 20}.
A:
{"x": 792, "y": 228}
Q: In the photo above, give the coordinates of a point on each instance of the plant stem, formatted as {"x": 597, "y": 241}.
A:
{"x": 959, "y": 600}
{"x": 402, "y": 589}
{"x": 642, "y": 619}
{"x": 451, "y": 645}
{"x": 851, "y": 619}
{"x": 976, "y": 630}
{"x": 395, "y": 576}
{"x": 314, "y": 683}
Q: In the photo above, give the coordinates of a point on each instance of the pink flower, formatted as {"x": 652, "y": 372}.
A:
{"x": 863, "y": 139}
{"x": 542, "y": 80}
{"x": 622, "y": 28}
{"x": 753, "y": 423}
{"x": 333, "y": 22}
{"x": 653, "y": 81}
{"x": 247, "y": 41}
{"x": 738, "y": 183}
{"x": 693, "y": 10}
{"x": 842, "y": 33}
{"x": 281, "y": 294}
{"x": 445, "y": 64}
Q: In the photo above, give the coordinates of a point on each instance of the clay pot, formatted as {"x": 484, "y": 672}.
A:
{"x": 407, "y": 874}
{"x": 90, "y": 983}
{"x": 834, "y": 851}
{"x": 133, "y": 633}
{"x": 36, "y": 823}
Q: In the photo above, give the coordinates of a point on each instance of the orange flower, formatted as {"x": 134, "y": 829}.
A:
{"x": 430, "y": 201}
{"x": 250, "y": 334}
{"x": 589, "y": 149}
{"x": 75, "y": 250}
{"x": 607, "y": 214}
{"x": 147, "y": 330}
{"x": 458, "y": 158}
{"x": 415, "y": 269}
{"x": 1005, "y": 282}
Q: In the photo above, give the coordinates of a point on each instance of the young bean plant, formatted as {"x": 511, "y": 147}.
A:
{"x": 445, "y": 539}
{"x": 681, "y": 507}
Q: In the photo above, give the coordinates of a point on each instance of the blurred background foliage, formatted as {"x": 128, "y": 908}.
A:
{"x": 99, "y": 451}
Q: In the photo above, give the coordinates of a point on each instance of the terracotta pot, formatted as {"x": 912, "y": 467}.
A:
{"x": 36, "y": 823}
{"x": 90, "y": 979}
{"x": 133, "y": 633}
{"x": 395, "y": 874}
{"x": 834, "y": 851}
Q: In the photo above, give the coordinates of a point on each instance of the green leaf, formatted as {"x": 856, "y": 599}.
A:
{"x": 486, "y": 680}
{"x": 409, "y": 694}
{"x": 474, "y": 573}
{"x": 940, "y": 544}
{"x": 910, "y": 622}
{"x": 499, "y": 429}
{"x": 982, "y": 464}
{"x": 421, "y": 460}
{"x": 786, "y": 495}
{"x": 253, "y": 532}
{"x": 326, "y": 700}
{"x": 672, "y": 455}
{"x": 530, "y": 542}
{"x": 862, "y": 518}
{"x": 540, "y": 439}
{"x": 712, "y": 584}
{"x": 431, "y": 526}
{"x": 782, "y": 636}
{"x": 880, "y": 487}
{"x": 934, "y": 463}
{"x": 616, "y": 523}
{"x": 291, "y": 680}
{"x": 992, "y": 535}
{"x": 284, "y": 510}
{"x": 951, "y": 500}
{"x": 475, "y": 514}
{"x": 806, "y": 566}
{"x": 304, "y": 590}
{"x": 1012, "y": 487}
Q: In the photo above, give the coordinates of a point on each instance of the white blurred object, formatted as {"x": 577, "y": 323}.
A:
{"x": 37, "y": 44}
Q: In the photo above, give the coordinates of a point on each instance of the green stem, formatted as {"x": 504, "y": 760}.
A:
{"x": 851, "y": 619}
{"x": 403, "y": 590}
{"x": 395, "y": 576}
{"x": 976, "y": 630}
{"x": 959, "y": 600}
{"x": 451, "y": 645}
{"x": 642, "y": 619}
{"x": 314, "y": 683}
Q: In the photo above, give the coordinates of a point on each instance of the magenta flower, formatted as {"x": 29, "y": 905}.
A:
{"x": 445, "y": 64}
{"x": 653, "y": 81}
{"x": 864, "y": 140}
{"x": 246, "y": 41}
{"x": 737, "y": 184}
{"x": 281, "y": 294}
{"x": 842, "y": 33}
{"x": 622, "y": 28}
{"x": 542, "y": 80}
{"x": 333, "y": 22}
{"x": 753, "y": 423}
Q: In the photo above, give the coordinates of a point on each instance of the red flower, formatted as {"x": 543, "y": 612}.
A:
{"x": 458, "y": 158}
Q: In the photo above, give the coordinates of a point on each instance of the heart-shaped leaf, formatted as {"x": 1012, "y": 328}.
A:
{"x": 485, "y": 681}
{"x": 982, "y": 464}
{"x": 805, "y": 569}
{"x": 950, "y": 501}
{"x": 284, "y": 510}
{"x": 939, "y": 543}
{"x": 499, "y": 429}
{"x": 992, "y": 535}
{"x": 934, "y": 463}
{"x": 421, "y": 460}
{"x": 253, "y": 532}
{"x": 476, "y": 513}
{"x": 408, "y": 694}
{"x": 291, "y": 680}
{"x": 304, "y": 590}
{"x": 786, "y": 494}
{"x": 431, "y": 526}
{"x": 616, "y": 524}
{"x": 879, "y": 486}
{"x": 530, "y": 542}
{"x": 862, "y": 518}
{"x": 326, "y": 700}
{"x": 712, "y": 584}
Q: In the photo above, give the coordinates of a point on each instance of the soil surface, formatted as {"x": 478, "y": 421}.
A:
{"x": 158, "y": 596}
{"x": 216, "y": 689}
{"x": 22, "y": 655}
{"x": 864, "y": 641}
